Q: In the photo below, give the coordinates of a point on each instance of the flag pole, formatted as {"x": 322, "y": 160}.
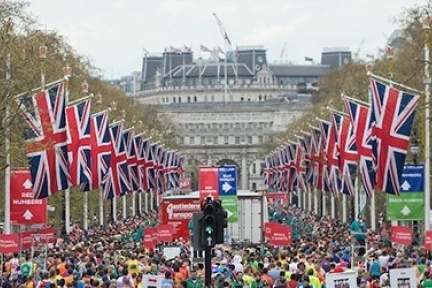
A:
{"x": 426, "y": 82}
{"x": 6, "y": 124}
{"x": 114, "y": 209}
{"x": 124, "y": 214}
{"x": 315, "y": 201}
{"x": 333, "y": 206}
{"x": 101, "y": 207}
{"x": 134, "y": 203}
{"x": 146, "y": 200}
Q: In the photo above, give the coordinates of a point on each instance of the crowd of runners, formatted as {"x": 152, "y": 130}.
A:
{"x": 114, "y": 256}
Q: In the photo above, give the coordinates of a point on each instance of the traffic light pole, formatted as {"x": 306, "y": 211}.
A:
{"x": 207, "y": 266}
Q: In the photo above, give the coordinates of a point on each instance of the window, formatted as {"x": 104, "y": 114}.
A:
{"x": 215, "y": 139}
{"x": 237, "y": 140}
{"x": 226, "y": 140}
{"x": 195, "y": 99}
{"x": 249, "y": 139}
{"x": 259, "y": 98}
{"x": 212, "y": 98}
{"x": 205, "y": 98}
{"x": 260, "y": 139}
{"x": 174, "y": 99}
{"x": 254, "y": 186}
{"x": 202, "y": 140}
{"x": 179, "y": 99}
{"x": 254, "y": 168}
{"x": 192, "y": 140}
{"x": 189, "y": 99}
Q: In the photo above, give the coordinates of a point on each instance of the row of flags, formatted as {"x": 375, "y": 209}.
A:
{"x": 370, "y": 139}
{"x": 68, "y": 147}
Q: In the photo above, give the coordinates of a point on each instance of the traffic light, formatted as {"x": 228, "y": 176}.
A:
{"x": 208, "y": 224}
{"x": 221, "y": 223}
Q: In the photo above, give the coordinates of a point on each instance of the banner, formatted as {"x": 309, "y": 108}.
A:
{"x": 9, "y": 243}
{"x": 268, "y": 226}
{"x": 185, "y": 184}
{"x": 402, "y": 235}
{"x": 280, "y": 235}
{"x": 229, "y": 203}
{"x": 341, "y": 280}
{"x": 208, "y": 178}
{"x": 403, "y": 277}
{"x": 428, "y": 240}
{"x": 165, "y": 233}
{"x": 410, "y": 204}
{"x": 277, "y": 199}
{"x": 148, "y": 238}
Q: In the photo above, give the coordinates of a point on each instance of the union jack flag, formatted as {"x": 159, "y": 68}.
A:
{"x": 347, "y": 153}
{"x": 360, "y": 116}
{"x": 170, "y": 170}
{"x": 332, "y": 156}
{"x": 306, "y": 142}
{"x": 161, "y": 154}
{"x": 182, "y": 166}
{"x": 316, "y": 160}
{"x": 393, "y": 111}
{"x": 299, "y": 169}
{"x": 44, "y": 113}
{"x": 131, "y": 155}
{"x": 78, "y": 132}
{"x": 268, "y": 171}
{"x": 116, "y": 181}
{"x": 150, "y": 151}
{"x": 327, "y": 138}
{"x": 100, "y": 147}
{"x": 141, "y": 145}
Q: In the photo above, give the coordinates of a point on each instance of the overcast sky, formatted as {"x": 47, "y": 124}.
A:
{"x": 113, "y": 33}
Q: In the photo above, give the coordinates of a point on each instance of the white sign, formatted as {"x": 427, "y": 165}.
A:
{"x": 403, "y": 278}
{"x": 152, "y": 281}
{"x": 341, "y": 280}
{"x": 171, "y": 252}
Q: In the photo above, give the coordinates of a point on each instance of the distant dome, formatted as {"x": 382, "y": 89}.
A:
{"x": 397, "y": 39}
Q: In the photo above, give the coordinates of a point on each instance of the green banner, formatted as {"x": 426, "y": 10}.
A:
{"x": 406, "y": 207}
{"x": 229, "y": 203}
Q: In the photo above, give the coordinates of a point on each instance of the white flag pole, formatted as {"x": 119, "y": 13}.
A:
{"x": 315, "y": 201}
{"x": 146, "y": 200}
{"x": 101, "y": 207}
{"x": 333, "y": 207}
{"x": 134, "y": 203}
{"x": 67, "y": 210}
{"x": 344, "y": 208}
{"x": 114, "y": 209}
{"x": 85, "y": 210}
{"x": 124, "y": 214}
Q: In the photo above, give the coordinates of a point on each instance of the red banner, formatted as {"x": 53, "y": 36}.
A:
{"x": 428, "y": 240}
{"x": 26, "y": 240}
{"x": 165, "y": 233}
{"x": 268, "y": 228}
{"x": 208, "y": 178}
{"x": 277, "y": 199}
{"x": 148, "y": 238}
{"x": 178, "y": 213}
{"x": 402, "y": 235}
{"x": 185, "y": 184}
{"x": 25, "y": 210}
{"x": 9, "y": 243}
{"x": 45, "y": 236}
{"x": 280, "y": 235}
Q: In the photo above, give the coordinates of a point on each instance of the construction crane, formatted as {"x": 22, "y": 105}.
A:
{"x": 223, "y": 31}
{"x": 227, "y": 42}
{"x": 282, "y": 55}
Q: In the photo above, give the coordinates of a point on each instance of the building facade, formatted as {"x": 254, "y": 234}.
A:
{"x": 227, "y": 108}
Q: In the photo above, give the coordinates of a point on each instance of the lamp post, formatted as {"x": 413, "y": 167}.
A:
{"x": 426, "y": 81}
{"x": 414, "y": 148}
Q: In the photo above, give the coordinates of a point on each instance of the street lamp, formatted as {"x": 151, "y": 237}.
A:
{"x": 98, "y": 98}
{"x": 415, "y": 148}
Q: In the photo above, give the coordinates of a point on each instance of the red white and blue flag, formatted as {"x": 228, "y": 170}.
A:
{"x": 141, "y": 145}
{"x": 393, "y": 113}
{"x": 306, "y": 142}
{"x": 317, "y": 160}
{"x": 332, "y": 156}
{"x": 360, "y": 116}
{"x": 347, "y": 153}
{"x": 268, "y": 171}
{"x": 100, "y": 147}
{"x": 44, "y": 113}
{"x": 299, "y": 168}
{"x": 327, "y": 149}
{"x": 116, "y": 181}
{"x": 131, "y": 154}
{"x": 78, "y": 132}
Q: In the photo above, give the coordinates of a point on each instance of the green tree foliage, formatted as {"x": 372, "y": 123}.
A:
{"x": 20, "y": 40}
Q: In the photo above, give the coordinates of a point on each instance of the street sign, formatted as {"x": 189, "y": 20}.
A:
{"x": 229, "y": 203}
{"x": 208, "y": 182}
{"x": 227, "y": 180}
{"x": 410, "y": 204}
{"x": 24, "y": 209}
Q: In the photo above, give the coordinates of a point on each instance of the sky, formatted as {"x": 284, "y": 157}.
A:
{"x": 114, "y": 33}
